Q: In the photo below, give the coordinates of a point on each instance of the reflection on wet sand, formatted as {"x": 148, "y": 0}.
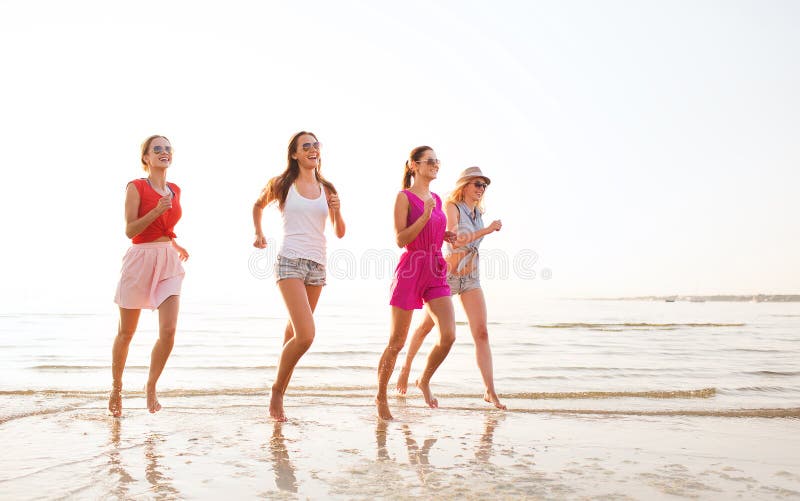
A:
{"x": 115, "y": 464}
{"x": 162, "y": 483}
{"x": 285, "y": 477}
{"x": 483, "y": 452}
{"x": 418, "y": 456}
{"x": 381, "y": 434}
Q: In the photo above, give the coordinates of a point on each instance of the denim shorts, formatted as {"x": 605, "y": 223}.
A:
{"x": 464, "y": 283}
{"x": 310, "y": 272}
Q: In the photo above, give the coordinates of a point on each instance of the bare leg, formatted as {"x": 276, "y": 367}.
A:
{"x": 475, "y": 308}
{"x": 167, "y": 324}
{"x": 313, "y": 292}
{"x": 401, "y": 321}
{"x": 128, "y": 320}
{"x": 300, "y": 314}
{"x": 413, "y": 347}
{"x": 441, "y": 309}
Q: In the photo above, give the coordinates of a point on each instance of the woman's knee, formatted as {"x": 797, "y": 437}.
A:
{"x": 304, "y": 338}
{"x": 447, "y": 337}
{"x": 167, "y": 333}
{"x": 125, "y": 334}
{"x": 396, "y": 343}
{"x": 481, "y": 335}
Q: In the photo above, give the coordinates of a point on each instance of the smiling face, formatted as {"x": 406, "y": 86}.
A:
{"x": 307, "y": 152}
{"x": 427, "y": 165}
{"x": 158, "y": 154}
{"x": 474, "y": 190}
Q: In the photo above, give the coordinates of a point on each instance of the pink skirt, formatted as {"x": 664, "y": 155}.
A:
{"x": 151, "y": 273}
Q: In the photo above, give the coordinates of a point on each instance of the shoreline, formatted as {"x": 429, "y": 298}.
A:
{"x": 340, "y": 451}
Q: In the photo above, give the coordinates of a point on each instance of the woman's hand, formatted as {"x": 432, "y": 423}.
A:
{"x": 164, "y": 204}
{"x": 261, "y": 242}
{"x": 495, "y": 226}
{"x": 181, "y": 251}
{"x": 333, "y": 202}
{"x": 430, "y": 204}
{"x": 450, "y": 237}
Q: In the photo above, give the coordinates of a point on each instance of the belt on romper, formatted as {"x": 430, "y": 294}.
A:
{"x": 462, "y": 263}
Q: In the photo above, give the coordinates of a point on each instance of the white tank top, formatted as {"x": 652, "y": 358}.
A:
{"x": 304, "y": 226}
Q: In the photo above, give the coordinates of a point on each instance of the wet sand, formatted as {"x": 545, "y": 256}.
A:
{"x": 212, "y": 447}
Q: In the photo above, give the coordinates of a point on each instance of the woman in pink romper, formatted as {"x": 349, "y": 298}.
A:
{"x": 421, "y": 274}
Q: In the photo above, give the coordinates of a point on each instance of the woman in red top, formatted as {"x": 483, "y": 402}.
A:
{"x": 151, "y": 269}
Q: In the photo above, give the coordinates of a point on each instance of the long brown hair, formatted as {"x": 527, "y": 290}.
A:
{"x": 278, "y": 187}
{"x": 146, "y": 148}
{"x": 414, "y": 156}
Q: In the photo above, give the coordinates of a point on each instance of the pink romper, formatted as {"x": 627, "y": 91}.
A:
{"x": 421, "y": 273}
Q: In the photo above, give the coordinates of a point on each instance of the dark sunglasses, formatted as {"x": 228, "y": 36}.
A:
{"x": 307, "y": 146}
{"x": 430, "y": 161}
{"x": 161, "y": 149}
{"x": 479, "y": 185}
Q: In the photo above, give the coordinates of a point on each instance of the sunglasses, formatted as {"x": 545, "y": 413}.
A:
{"x": 431, "y": 162}
{"x": 307, "y": 146}
{"x": 161, "y": 149}
{"x": 480, "y": 185}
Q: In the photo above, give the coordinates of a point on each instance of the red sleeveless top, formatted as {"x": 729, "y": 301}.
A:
{"x": 164, "y": 224}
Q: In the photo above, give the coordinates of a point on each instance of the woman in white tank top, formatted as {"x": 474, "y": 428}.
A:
{"x": 305, "y": 200}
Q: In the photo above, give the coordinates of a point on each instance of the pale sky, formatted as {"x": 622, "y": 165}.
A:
{"x": 639, "y": 147}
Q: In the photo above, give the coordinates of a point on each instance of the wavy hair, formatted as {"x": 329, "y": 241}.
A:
{"x": 278, "y": 187}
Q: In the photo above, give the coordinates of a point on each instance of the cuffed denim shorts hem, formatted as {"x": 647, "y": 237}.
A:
{"x": 310, "y": 272}
{"x": 462, "y": 284}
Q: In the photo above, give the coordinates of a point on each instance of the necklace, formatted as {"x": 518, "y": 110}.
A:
{"x": 163, "y": 192}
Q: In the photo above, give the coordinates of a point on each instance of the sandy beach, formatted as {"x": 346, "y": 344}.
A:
{"x": 607, "y": 400}
{"x": 223, "y": 448}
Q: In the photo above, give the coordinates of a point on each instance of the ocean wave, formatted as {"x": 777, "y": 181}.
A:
{"x": 616, "y": 327}
{"x": 791, "y": 412}
{"x": 360, "y": 391}
{"x": 302, "y": 368}
{"x": 41, "y": 411}
{"x": 755, "y": 350}
{"x": 772, "y": 373}
{"x": 760, "y": 389}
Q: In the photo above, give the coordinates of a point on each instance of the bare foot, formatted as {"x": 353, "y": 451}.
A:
{"x": 426, "y": 392}
{"x": 494, "y": 400}
{"x": 115, "y": 402}
{"x": 383, "y": 408}
{"x": 276, "y": 407}
{"x": 152, "y": 400}
{"x": 402, "y": 380}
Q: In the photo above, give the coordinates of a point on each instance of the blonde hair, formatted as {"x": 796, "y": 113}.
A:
{"x": 457, "y": 195}
{"x": 146, "y": 146}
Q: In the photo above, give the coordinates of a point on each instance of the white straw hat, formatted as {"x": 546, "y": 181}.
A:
{"x": 469, "y": 173}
